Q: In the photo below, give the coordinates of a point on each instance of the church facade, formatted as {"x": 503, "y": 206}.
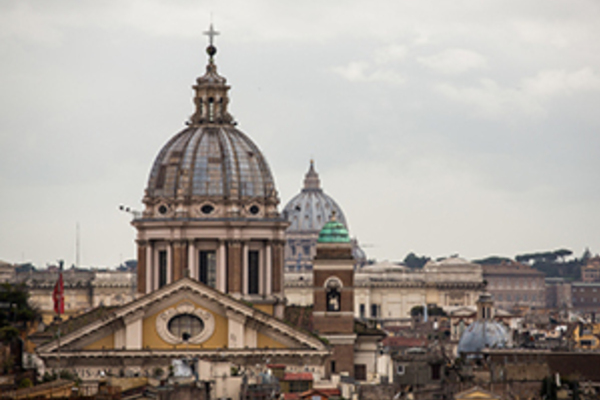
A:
{"x": 211, "y": 207}
{"x": 210, "y": 281}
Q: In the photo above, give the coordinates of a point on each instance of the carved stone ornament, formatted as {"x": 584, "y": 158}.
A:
{"x": 162, "y": 324}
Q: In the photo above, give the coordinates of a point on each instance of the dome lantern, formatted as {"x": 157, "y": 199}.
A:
{"x": 211, "y": 89}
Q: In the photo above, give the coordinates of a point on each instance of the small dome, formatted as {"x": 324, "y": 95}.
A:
{"x": 483, "y": 334}
{"x": 311, "y": 208}
{"x": 334, "y": 232}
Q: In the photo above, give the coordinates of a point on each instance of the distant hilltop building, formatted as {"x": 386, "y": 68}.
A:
{"x": 591, "y": 271}
{"x": 84, "y": 289}
{"x": 307, "y": 213}
{"x": 513, "y": 284}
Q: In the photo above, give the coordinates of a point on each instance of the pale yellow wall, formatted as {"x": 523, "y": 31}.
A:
{"x": 264, "y": 341}
{"x": 266, "y": 308}
{"x": 107, "y": 342}
{"x": 152, "y": 340}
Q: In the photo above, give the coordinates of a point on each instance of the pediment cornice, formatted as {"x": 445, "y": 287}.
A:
{"x": 186, "y": 288}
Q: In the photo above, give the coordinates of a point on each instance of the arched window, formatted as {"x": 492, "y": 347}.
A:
{"x": 333, "y": 289}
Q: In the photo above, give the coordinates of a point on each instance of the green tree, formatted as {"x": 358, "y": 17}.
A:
{"x": 492, "y": 260}
{"x": 15, "y": 309}
{"x": 413, "y": 261}
{"x": 432, "y": 311}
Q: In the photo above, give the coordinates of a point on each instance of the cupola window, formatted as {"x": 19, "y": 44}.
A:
{"x": 207, "y": 209}
{"x": 254, "y": 210}
{"x": 211, "y": 109}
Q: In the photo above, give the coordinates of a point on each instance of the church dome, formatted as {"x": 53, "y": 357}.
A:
{"x": 210, "y": 169}
{"x": 311, "y": 208}
{"x": 483, "y": 334}
{"x": 212, "y": 162}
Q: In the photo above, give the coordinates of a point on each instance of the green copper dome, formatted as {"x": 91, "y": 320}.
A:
{"x": 334, "y": 232}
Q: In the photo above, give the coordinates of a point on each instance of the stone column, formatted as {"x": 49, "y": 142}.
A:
{"x": 222, "y": 267}
{"x": 169, "y": 262}
{"x": 141, "y": 267}
{"x": 245, "y": 268}
{"x": 268, "y": 268}
{"x": 234, "y": 266}
{"x": 192, "y": 264}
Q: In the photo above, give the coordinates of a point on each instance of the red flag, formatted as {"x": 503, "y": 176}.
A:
{"x": 58, "y": 295}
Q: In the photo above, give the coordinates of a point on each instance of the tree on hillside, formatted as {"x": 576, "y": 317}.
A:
{"x": 492, "y": 260}
{"x": 413, "y": 261}
{"x": 432, "y": 311}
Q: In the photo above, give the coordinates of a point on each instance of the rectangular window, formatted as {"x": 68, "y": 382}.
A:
{"x": 162, "y": 268}
{"x": 374, "y": 310}
{"x": 333, "y": 367}
{"x": 360, "y": 372}
{"x": 253, "y": 271}
{"x": 435, "y": 372}
{"x": 362, "y": 311}
{"x": 207, "y": 268}
{"x": 299, "y": 386}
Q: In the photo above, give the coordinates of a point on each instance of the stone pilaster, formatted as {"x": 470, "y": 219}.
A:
{"x": 277, "y": 266}
{"x": 234, "y": 266}
{"x": 141, "y": 266}
{"x": 179, "y": 261}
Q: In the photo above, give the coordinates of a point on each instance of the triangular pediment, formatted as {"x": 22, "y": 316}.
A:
{"x": 146, "y": 324}
{"x": 477, "y": 393}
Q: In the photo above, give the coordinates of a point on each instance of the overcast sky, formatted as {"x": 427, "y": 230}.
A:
{"x": 440, "y": 127}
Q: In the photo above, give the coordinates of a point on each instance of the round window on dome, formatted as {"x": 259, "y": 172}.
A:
{"x": 254, "y": 209}
{"x": 185, "y": 326}
{"x": 207, "y": 209}
{"x": 163, "y": 209}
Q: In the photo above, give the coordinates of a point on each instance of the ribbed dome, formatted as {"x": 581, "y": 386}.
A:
{"x": 483, "y": 334}
{"x": 205, "y": 161}
{"x": 211, "y": 164}
{"x": 311, "y": 208}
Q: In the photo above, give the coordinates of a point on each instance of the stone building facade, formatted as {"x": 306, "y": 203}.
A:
{"x": 591, "y": 271}
{"x": 387, "y": 292}
{"x": 558, "y": 293}
{"x": 84, "y": 289}
{"x": 585, "y": 296}
{"x": 513, "y": 284}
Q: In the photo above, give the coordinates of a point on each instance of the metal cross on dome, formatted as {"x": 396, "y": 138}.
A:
{"x": 211, "y": 33}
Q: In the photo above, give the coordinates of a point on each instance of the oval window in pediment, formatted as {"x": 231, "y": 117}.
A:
{"x": 185, "y": 326}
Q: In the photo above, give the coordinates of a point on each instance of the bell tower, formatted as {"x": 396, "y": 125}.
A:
{"x": 333, "y": 295}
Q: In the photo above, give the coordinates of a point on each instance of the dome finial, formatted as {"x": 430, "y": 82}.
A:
{"x": 311, "y": 179}
{"x": 211, "y": 49}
